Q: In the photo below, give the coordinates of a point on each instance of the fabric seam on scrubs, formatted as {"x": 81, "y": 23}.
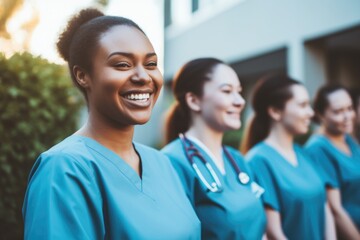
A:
{"x": 122, "y": 171}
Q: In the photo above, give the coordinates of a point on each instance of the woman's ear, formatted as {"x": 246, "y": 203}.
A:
{"x": 81, "y": 77}
{"x": 193, "y": 101}
{"x": 274, "y": 113}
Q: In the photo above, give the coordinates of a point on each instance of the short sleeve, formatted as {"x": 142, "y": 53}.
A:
{"x": 62, "y": 201}
{"x": 265, "y": 178}
{"x": 324, "y": 165}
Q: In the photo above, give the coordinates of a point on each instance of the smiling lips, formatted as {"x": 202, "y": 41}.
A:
{"x": 141, "y": 97}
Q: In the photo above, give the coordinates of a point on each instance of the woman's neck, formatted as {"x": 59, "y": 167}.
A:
{"x": 283, "y": 142}
{"x": 117, "y": 139}
{"x": 280, "y": 137}
{"x": 211, "y": 138}
{"x": 338, "y": 140}
{"x": 212, "y": 141}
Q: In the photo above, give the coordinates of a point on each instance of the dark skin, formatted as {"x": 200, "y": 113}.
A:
{"x": 122, "y": 89}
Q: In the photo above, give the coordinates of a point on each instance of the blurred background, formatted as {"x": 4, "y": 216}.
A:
{"x": 315, "y": 42}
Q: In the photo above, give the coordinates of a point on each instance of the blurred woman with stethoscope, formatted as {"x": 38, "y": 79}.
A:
{"x": 215, "y": 177}
{"x": 295, "y": 197}
{"x": 338, "y": 155}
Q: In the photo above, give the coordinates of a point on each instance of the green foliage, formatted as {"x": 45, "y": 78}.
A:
{"x": 39, "y": 106}
{"x": 233, "y": 138}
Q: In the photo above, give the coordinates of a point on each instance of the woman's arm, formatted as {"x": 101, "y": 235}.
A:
{"x": 330, "y": 232}
{"x": 344, "y": 225}
{"x": 273, "y": 228}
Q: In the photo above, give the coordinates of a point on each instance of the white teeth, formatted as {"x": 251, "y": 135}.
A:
{"x": 138, "y": 96}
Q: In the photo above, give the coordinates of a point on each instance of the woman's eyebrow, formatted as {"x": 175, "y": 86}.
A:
{"x": 130, "y": 55}
{"x": 225, "y": 85}
{"x": 229, "y": 85}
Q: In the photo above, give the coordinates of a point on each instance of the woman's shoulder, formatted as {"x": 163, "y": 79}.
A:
{"x": 174, "y": 149}
{"x": 298, "y": 148}
{"x": 72, "y": 147}
{"x": 316, "y": 141}
{"x": 175, "y": 152}
{"x": 69, "y": 144}
{"x": 351, "y": 140}
{"x": 301, "y": 151}
{"x": 260, "y": 152}
{"x": 68, "y": 156}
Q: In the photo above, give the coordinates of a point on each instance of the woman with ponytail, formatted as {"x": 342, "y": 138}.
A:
{"x": 215, "y": 177}
{"x": 337, "y": 154}
{"x": 98, "y": 183}
{"x": 294, "y": 198}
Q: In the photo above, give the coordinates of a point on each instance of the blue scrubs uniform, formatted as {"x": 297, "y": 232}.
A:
{"x": 296, "y": 192}
{"x": 79, "y": 189}
{"x": 234, "y": 213}
{"x": 341, "y": 171}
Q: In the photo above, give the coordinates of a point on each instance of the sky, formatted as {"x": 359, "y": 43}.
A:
{"x": 53, "y": 15}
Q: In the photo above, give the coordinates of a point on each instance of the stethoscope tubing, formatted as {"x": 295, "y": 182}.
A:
{"x": 216, "y": 185}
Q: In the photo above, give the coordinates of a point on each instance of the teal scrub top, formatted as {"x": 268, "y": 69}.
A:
{"x": 340, "y": 170}
{"x": 80, "y": 189}
{"x": 296, "y": 192}
{"x": 234, "y": 213}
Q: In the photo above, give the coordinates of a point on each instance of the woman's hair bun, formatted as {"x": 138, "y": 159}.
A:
{"x": 65, "y": 38}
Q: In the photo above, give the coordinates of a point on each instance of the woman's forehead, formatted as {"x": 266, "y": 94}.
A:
{"x": 224, "y": 75}
{"x": 338, "y": 98}
{"x": 124, "y": 38}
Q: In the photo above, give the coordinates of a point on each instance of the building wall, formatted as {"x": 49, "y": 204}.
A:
{"x": 312, "y": 41}
{"x": 250, "y": 28}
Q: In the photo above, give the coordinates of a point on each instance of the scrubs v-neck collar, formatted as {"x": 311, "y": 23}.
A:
{"x": 141, "y": 183}
{"x": 333, "y": 146}
{"x": 283, "y": 158}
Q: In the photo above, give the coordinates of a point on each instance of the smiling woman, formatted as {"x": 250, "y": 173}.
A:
{"x": 216, "y": 178}
{"x": 294, "y": 198}
{"x": 98, "y": 183}
{"x": 338, "y": 156}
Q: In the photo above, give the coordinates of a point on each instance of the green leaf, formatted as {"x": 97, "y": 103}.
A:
{"x": 39, "y": 106}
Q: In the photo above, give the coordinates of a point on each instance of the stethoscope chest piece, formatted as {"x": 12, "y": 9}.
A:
{"x": 214, "y": 186}
{"x": 244, "y": 178}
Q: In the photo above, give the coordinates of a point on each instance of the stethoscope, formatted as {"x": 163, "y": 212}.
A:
{"x": 191, "y": 151}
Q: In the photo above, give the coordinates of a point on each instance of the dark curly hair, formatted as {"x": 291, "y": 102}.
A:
{"x": 78, "y": 42}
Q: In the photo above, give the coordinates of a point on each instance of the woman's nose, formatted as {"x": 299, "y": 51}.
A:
{"x": 350, "y": 114}
{"x": 239, "y": 100}
{"x": 141, "y": 75}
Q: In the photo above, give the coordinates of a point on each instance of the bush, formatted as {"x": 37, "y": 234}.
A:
{"x": 39, "y": 107}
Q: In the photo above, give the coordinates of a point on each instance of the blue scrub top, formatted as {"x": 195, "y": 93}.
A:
{"x": 234, "y": 213}
{"x": 296, "y": 192}
{"x": 340, "y": 171}
{"x": 80, "y": 189}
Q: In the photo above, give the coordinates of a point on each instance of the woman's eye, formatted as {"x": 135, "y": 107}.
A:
{"x": 152, "y": 64}
{"x": 122, "y": 65}
{"x": 227, "y": 91}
